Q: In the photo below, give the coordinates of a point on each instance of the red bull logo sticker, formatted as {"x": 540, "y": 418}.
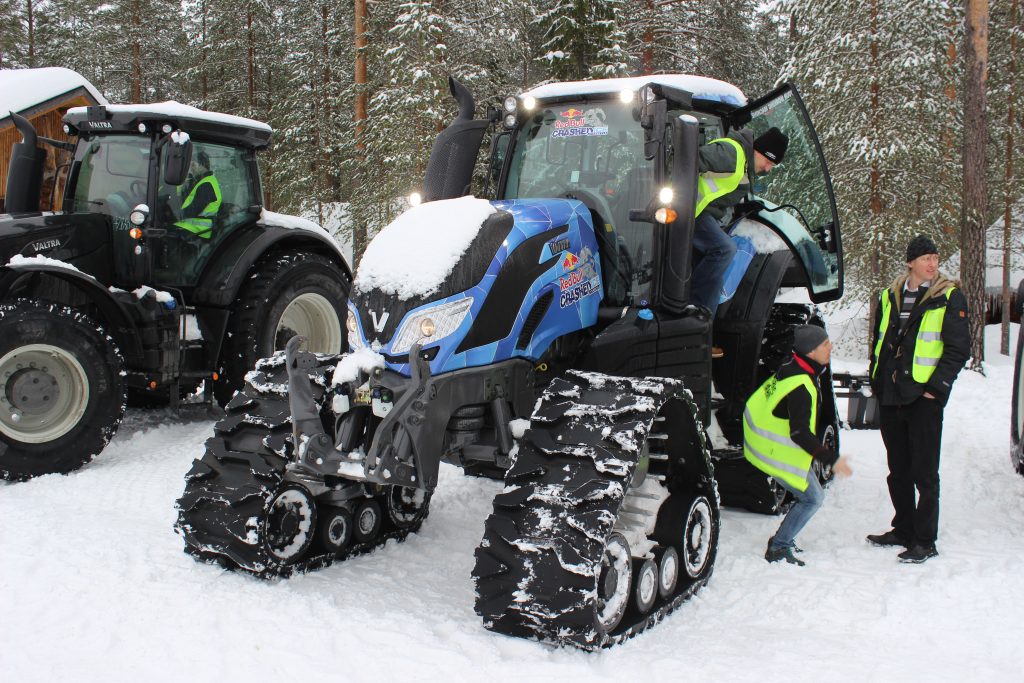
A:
{"x": 578, "y": 123}
{"x": 570, "y": 261}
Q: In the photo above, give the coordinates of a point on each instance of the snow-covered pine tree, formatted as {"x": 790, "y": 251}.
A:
{"x": 583, "y": 38}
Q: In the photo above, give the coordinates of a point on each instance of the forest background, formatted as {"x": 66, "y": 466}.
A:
{"x": 916, "y": 102}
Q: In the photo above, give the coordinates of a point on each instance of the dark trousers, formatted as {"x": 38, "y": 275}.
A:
{"x": 913, "y": 436}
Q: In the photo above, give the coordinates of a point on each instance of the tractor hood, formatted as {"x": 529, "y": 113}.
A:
{"x": 477, "y": 282}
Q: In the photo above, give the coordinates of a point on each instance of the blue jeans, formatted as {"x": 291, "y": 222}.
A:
{"x": 807, "y": 503}
{"x": 717, "y": 250}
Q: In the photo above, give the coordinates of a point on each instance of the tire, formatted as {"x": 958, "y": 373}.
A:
{"x": 290, "y": 293}
{"x": 289, "y": 524}
{"x": 645, "y": 585}
{"x": 406, "y": 507}
{"x": 368, "y": 520}
{"x": 62, "y": 390}
{"x": 613, "y": 581}
{"x": 336, "y": 529}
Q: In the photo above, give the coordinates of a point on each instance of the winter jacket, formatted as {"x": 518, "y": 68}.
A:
{"x": 797, "y": 409}
{"x": 720, "y": 157}
{"x": 892, "y": 381}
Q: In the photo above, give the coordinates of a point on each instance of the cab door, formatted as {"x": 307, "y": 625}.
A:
{"x": 799, "y": 204}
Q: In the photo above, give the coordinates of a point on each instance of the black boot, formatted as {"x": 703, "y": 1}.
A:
{"x": 918, "y": 553}
{"x": 888, "y": 539}
{"x": 777, "y": 554}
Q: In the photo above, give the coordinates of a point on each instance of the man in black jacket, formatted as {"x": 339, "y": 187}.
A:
{"x": 921, "y": 341}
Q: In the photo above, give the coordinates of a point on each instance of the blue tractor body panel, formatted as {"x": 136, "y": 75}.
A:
{"x": 572, "y": 278}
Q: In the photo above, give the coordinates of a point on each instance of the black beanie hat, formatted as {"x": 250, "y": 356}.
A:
{"x": 806, "y": 338}
{"x": 772, "y": 144}
{"x": 919, "y": 246}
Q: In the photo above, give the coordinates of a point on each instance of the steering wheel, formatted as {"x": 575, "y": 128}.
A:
{"x": 138, "y": 189}
{"x": 119, "y": 204}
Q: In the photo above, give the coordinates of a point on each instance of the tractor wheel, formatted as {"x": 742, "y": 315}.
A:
{"x": 614, "y": 578}
{"x": 289, "y": 524}
{"x": 336, "y": 529}
{"x": 406, "y": 507}
{"x": 290, "y": 293}
{"x": 62, "y": 389}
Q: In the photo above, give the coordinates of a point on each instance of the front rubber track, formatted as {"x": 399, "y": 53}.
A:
{"x": 543, "y": 543}
{"x": 227, "y": 492}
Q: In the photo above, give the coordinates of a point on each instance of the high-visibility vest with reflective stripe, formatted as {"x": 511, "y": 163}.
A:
{"x": 766, "y": 438}
{"x": 712, "y": 185}
{"x": 202, "y": 225}
{"x": 928, "y": 346}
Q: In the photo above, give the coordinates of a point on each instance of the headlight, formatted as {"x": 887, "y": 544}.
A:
{"x": 529, "y": 103}
{"x": 665, "y": 195}
{"x": 355, "y": 340}
{"x": 626, "y": 96}
{"x": 510, "y": 104}
{"x": 510, "y": 121}
{"x": 415, "y": 199}
{"x": 433, "y": 323}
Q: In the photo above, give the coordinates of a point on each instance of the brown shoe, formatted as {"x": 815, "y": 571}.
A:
{"x": 717, "y": 352}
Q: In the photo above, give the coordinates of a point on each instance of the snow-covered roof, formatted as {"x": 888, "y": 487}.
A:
{"x": 413, "y": 254}
{"x": 172, "y": 109}
{"x": 21, "y": 89}
{"x": 700, "y": 86}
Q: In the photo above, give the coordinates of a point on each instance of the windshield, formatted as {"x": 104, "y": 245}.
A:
{"x": 110, "y": 177}
{"x": 801, "y": 187}
{"x": 594, "y": 152}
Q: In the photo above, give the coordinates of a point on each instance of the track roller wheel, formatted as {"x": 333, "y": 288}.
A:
{"x": 406, "y": 506}
{"x": 289, "y": 525}
{"x": 336, "y": 529}
{"x": 698, "y": 538}
{"x": 368, "y": 520}
{"x": 668, "y": 571}
{"x": 613, "y": 581}
{"x": 645, "y": 585}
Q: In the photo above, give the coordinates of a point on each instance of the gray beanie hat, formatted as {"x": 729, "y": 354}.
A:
{"x": 806, "y": 338}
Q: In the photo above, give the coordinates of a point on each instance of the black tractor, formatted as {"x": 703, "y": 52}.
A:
{"x": 556, "y": 348}
{"x": 163, "y": 272}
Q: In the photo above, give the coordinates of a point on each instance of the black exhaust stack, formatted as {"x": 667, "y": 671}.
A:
{"x": 450, "y": 168}
{"x": 678, "y": 269}
{"x": 25, "y": 173}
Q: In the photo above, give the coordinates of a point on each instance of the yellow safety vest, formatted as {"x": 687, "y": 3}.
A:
{"x": 712, "y": 185}
{"x": 928, "y": 346}
{"x": 766, "y": 438}
{"x": 202, "y": 225}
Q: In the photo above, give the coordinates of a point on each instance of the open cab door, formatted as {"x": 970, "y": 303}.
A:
{"x": 799, "y": 204}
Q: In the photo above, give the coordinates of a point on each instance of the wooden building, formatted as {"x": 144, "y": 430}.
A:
{"x": 42, "y": 96}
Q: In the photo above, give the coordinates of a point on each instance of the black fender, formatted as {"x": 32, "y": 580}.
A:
{"x": 219, "y": 286}
{"x": 118, "y": 323}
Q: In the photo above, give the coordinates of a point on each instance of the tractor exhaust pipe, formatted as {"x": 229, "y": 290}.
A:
{"x": 25, "y": 172}
{"x": 450, "y": 168}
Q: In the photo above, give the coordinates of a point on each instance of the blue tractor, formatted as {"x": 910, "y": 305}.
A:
{"x": 551, "y": 343}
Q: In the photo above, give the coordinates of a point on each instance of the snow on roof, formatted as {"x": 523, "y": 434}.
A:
{"x": 172, "y": 109}
{"x": 413, "y": 254}
{"x": 702, "y": 87}
{"x": 21, "y": 89}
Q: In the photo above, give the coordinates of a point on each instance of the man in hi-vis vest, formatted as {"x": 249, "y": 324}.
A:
{"x": 780, "y": 436}
{"x": 921, "y": 341}
{"x": 724, "y": 166}
{"x": 201, "y": 198}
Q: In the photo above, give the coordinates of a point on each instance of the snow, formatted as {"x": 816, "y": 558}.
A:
{"x": 21, "y": 89}
{"x": 412, "y": 255}
{"x": 292, "y": 223}
{"x": 764, "y": 239}
{"x": 362, "y": 359}
{"x": 174, "y": 109}
{"x": 40, "y": 260}
{"x": 95, "y": 586}
{"x": 702, "y": 87}
{"x": 162, "y": 297}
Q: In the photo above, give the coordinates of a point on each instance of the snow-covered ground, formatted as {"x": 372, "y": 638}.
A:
{"x": 94, "y": 585}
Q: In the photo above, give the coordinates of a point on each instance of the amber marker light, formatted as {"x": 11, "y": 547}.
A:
{"x": 665, "y": 215}
{"x": 135, "y": 234}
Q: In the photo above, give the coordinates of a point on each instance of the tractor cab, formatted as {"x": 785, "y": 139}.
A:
{"x": 171, "y": 182}
{"x": 615, "y": 145}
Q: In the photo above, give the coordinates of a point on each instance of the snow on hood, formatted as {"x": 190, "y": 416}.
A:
{"x": 40, "y": 260}
{"x": 172, "y": 109}
{"x": 21, "y": 89}
{"x": 414, "y": 254}
{"x": 701, "y": 87}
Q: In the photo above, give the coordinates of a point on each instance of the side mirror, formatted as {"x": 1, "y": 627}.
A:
{"x": 177, "y": 158}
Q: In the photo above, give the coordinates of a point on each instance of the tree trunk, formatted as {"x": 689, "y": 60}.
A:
{"x": 1004, "y": 341}
{"x": 204, "y": 41}
{"x": 136, "y": 37}
{"x": 875, "y": 207}
{"x": 647, "y": 62}
{"x": 359, "y": 225}
{"x": 250, "y": 62}
{"x": 31, "y": 34}
{"x": 975, "y": 190}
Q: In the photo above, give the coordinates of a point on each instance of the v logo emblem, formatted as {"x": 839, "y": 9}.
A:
{"x": 378, "y": 325}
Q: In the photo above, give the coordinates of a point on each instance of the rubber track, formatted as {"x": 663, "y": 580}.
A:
{"x": 542, "y": 546}
{"x": 228, "y": 490}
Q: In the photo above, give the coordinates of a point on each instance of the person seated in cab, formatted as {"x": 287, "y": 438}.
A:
{"x": 201, "y": 197}
{"x": 724, "y": 166}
